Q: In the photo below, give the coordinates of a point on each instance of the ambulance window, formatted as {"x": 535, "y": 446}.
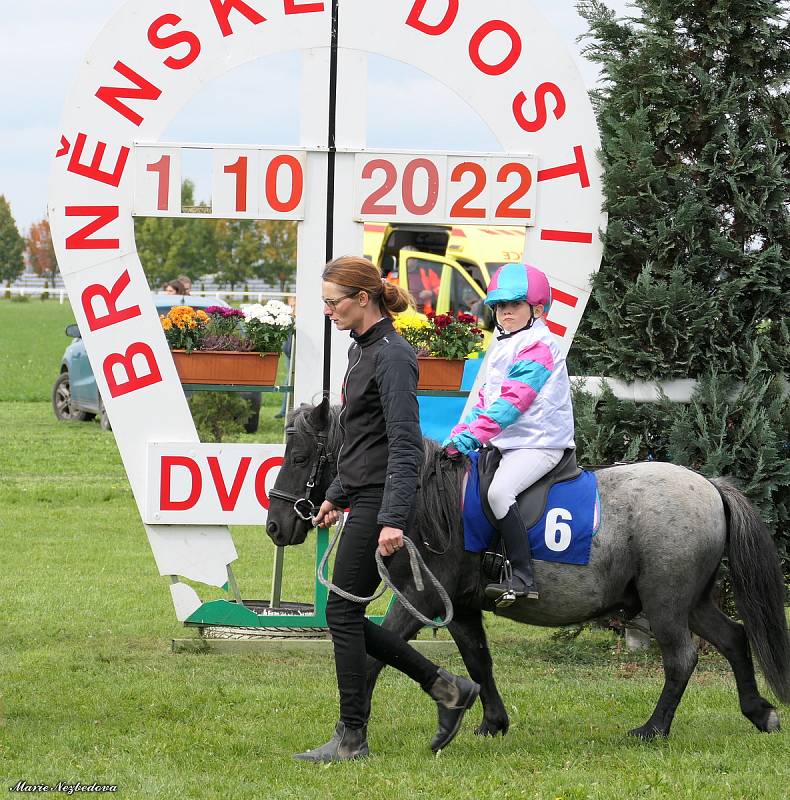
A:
{"x": 424, "y": 281}
{"x": 463, "y": 297}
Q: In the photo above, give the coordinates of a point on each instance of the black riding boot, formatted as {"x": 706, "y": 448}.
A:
{"x": 522, "y": 580}
{"x": 346, "y": 744}
{"x": 453, "y": 695}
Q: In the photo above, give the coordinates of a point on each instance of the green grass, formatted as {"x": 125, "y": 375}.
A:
{"x": 91, "y": 691}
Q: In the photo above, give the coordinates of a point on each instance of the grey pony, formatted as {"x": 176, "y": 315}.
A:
{"x": 664, "y": 531}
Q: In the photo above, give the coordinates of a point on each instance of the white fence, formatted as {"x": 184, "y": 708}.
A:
{"x": 61, "y": 295}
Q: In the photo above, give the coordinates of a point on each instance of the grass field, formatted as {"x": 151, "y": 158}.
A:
{"x": 91, "y": 692}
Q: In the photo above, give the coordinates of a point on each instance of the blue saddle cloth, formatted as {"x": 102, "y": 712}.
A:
{"x": 563, "y": 533}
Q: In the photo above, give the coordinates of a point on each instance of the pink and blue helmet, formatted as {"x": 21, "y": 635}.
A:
{"x": 519, "y": 282}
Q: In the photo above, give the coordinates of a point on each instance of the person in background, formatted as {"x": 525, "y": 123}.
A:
{"x": 173, "y": 287}
{"x": 186, "y": 282}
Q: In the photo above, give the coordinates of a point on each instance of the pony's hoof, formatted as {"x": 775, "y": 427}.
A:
{"x": 772, "y": 722}
{"x": 647, "y": 733}
{"x": 487, "y": 728}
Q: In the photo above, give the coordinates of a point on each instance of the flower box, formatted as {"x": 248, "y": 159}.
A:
{"x": 226, "y": 367}
{"x": 440, "y": 374}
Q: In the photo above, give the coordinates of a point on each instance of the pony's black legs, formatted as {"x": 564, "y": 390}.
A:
{"x": 680, "y": 658}
{"x": 729, "y": 638}
{"x": 469, "y": 635}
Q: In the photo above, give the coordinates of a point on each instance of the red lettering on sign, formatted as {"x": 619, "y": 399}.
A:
{"x": 173, "y": 40}
{"x": 372, "y": 205}
{"x": 461, "y": 207}
{"x": 558, "y": 296}
{"x": 110, "y": 298}
{"x": 145, "y": 90}
{"x": 133, "y": 381}
{"x": 432, "y": 195}
{"x": 104, "y": 216}
{"x": 292, "y": 7}
{"x": 435, "y": 29}
{"x": 533, "y": 126}
{"x": 578, "y": 167}
{"x": 477, "y": 40}
{"x": 239, "y": 169}
{"x": 260, "y": 479}
{"x": 93, "y": 170}
{"x": 222, "y": 9}
{"x": 162, "y": 168}
{"x": 578, "y": 237}
{"x": 297, "y": 183}
{"x": 166, "y": 502}
{"x": 228, "y": 500}
{"x": 507, "y": 208}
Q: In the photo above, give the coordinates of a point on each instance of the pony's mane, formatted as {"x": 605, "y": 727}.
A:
{"x": 438, "y": 507}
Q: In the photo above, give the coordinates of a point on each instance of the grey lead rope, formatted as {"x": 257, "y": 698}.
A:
{"x": 415, "y": 561}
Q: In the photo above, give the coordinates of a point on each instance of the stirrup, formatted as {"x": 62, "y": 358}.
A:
{"x": 509, "y": 595}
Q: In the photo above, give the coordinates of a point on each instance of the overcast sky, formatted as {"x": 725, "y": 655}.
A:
{"x": 43, "y": 42}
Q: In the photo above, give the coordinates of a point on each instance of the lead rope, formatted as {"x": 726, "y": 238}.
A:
{"x": 415, "y": 562}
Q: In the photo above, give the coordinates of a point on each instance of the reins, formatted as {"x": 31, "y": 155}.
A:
{"x": 305, "y": 509}
{"x": 416, "y": 563}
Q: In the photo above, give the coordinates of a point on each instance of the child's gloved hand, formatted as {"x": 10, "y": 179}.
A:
{"x": 463, "y": 442}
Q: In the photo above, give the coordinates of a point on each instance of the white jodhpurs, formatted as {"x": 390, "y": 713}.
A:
{"x": 518, "y": 470}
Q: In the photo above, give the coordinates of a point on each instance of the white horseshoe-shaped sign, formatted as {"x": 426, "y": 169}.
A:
{"x": 501, "y": 57}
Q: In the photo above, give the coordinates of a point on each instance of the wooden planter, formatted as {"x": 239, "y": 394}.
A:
{"x": 440, "y": 374}
{"x": 226, "y": 367}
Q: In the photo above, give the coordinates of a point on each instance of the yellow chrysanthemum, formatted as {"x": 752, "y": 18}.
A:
{"x": 166, "y": 323}
{"x": 410, "y": 319}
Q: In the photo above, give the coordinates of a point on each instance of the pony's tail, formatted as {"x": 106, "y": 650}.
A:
{"x": 758, "y": 585}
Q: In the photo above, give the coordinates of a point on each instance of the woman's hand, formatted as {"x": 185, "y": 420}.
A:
{"x": 327, "y": 515}
{"x": 390, "y": 540}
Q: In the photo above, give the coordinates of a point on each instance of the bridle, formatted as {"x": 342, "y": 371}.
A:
{"x": 303, "y": 506}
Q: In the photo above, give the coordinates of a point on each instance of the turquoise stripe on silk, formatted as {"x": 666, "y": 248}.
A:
{"x": 530, "y": 372}
{"x": 503, "y": 413}
{"x": 473, "y": 414}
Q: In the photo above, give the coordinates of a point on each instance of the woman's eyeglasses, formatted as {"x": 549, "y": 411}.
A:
{"x": 333, "y": 302}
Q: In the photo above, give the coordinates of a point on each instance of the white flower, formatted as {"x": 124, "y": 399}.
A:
{"x": 283, "y": 321}
{"x": 277, "y": 308}
{"x": 254, "y": 311}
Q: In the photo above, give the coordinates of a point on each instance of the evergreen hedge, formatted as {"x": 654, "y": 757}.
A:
{"x": 694, "y": 113}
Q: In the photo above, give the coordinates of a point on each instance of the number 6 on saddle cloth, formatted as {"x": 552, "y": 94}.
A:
{"x": 562, "y": 511}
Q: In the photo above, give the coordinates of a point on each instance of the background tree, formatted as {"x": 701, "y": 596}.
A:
{"x": 12, "y": 245}
{"x": 694, "y": 113}
{"x": 169, "y": 246}
{"x": 278, "y": 239}
{"x": 40, "y": 250}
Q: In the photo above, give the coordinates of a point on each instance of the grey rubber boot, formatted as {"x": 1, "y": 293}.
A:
{"x": 453, "y": 694}
{"x": 521, "y": 582}
{"x": 346, "y": 744}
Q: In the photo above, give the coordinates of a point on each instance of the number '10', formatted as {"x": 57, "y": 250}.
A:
{"x": 239, "y": 170}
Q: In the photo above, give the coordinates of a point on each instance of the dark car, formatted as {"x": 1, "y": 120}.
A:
{"x": 75, "y": 395}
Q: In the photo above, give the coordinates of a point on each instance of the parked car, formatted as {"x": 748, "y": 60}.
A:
{"x": 75, "y": 395}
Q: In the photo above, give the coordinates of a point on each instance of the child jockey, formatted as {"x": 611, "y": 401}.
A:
{"x": 524, "y": 409}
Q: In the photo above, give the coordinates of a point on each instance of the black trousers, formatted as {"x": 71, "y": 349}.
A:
{"x": 354, "y": 637}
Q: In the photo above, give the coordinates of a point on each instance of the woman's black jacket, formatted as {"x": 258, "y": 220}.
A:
{"x": 380, "y": 419}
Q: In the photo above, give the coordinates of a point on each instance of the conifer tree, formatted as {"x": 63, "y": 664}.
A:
{"x": 694, "y": 113}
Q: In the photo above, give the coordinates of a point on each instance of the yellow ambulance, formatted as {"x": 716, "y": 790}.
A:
{"x": 446, "y": 268}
